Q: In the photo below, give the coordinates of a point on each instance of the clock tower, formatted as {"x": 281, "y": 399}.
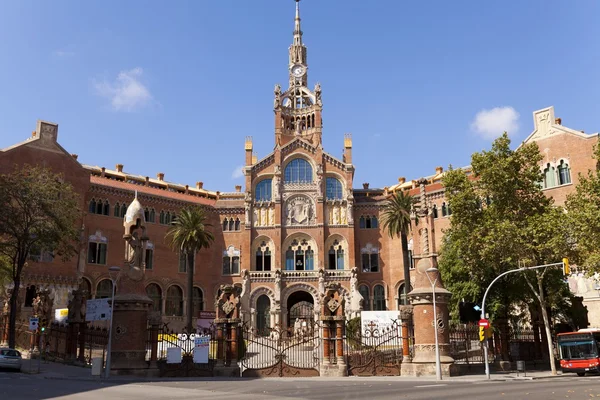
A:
{"x": 298, "y": 109}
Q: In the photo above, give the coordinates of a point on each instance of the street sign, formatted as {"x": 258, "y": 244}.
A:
{"x": 33, "y": 323}
{"x": 484, "y": 323}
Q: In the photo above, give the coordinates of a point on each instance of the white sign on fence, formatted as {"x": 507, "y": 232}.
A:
{"x": 173, "y": 355}
{"x": 97, "y": 310}
{"x": 201, "y": 347}
{"x": 379, "y": 320}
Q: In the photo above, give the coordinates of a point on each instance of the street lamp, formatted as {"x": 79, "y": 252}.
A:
{"x": 438, "y": 368}
{"x": 113, "y": 273}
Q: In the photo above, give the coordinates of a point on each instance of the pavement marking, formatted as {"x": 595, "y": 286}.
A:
{"x": 428, "y": 386}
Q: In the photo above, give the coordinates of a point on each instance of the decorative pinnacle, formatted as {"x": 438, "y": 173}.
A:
{"x": 248, "y": 144}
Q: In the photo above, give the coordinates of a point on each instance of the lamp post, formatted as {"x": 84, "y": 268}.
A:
{"x": 113, "y": 273}
{"x": 438, "y": 368}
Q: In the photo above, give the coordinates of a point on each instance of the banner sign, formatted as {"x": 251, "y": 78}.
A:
{"x": 61, "y": 314}
{"x": 378, "y": 321}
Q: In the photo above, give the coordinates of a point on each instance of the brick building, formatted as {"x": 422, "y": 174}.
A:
{"x": 297, "y": 225}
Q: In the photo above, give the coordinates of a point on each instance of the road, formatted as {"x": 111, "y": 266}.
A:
{"x": 20, "y": 386}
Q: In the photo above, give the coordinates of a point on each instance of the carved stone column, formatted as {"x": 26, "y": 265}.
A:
{"x": 406, "y": 316}
{"x": 228, "y": 332}
{"x": 332, "y": 320}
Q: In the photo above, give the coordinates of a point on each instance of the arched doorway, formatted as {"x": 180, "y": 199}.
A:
{"x": 300, "y": 307}
{"x": 263, "y": 315}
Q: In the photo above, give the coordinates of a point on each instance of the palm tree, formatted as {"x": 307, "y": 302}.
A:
{"x": 187, "y": 236}
{"x": 396, "y": 221}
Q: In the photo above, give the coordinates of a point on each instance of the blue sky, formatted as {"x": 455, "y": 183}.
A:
{"x": 176, "y": 86}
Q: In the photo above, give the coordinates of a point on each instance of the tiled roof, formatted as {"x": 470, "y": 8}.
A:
{"x": 97, "y": 180}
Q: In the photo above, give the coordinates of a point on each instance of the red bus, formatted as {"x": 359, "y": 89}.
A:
{"x": 579, "y": 351}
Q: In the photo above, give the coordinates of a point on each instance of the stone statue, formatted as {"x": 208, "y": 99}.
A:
{"x": 247, "y": 213}
{"x": 277, "y": 92}
{"x": 319, "y": 169}
{"x": 134, "y": 249}
{"x": 318, "y": 94}
{"x": 336, "y": 215}
{"x": 136, "y": 240}
{"x": 272, "y": 216}
{"x": 349, "y": 213}
{"x": 38, "y": 305}
{"x": 319, "y": 185}
{"x": 354, "y": 280}
{"x": 343, "y": 215}
{"x": 248, "y": 197}
{"x": 263, "y": 216}
{"x": 277, "y": 285}
{"x": 276, "y": 187}
{"x": 255, "y": 217}
{"x": 321, "y": 280}
{"x": 245, "y": 283}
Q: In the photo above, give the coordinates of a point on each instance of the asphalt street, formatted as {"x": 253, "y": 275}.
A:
{"x": 15, "y": 386}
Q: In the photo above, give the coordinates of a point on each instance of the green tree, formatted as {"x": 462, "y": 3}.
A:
{"x": 37, "y": 211}
{"x": 583, "y": 213}
{"x": 396, "y": 221}
{"x": 502, "y": 220}
{"x": 187, "y": 236}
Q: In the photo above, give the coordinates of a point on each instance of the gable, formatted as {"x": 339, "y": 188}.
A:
{"x": 545, "y": 125}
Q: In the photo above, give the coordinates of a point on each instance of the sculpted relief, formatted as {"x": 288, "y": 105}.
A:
{"x": 299, "y": 210}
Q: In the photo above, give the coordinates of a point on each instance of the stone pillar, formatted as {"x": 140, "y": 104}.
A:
{"x": 421, "y": 298}
{"x": 4, "y": 339}
{"x": 154, "y": 322}
{"x": 406, "y": 314}
{"x": 332, "y": 320}
{"x": 228, "y": 325}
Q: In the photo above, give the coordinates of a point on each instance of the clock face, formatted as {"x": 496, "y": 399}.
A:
{"x": 297, "y": 70}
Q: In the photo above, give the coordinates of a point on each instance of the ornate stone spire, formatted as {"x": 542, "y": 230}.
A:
{"x": 298, "y": 65}
{"x": 297, "y": 30}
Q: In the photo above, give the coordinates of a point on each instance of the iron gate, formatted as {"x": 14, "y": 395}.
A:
{"x": 276, "y": 352}
{"x": 374, "y": 351}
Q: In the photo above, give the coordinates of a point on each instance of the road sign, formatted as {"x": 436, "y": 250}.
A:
{"x": 484, "y": 323}
{"x": 33, "y": 323}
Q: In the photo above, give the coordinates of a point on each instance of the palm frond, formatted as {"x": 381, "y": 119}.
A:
{"x": 396, "y": 214}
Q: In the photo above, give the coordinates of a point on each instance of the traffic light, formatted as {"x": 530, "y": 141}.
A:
{"x": 43, "y": 324}
{"x": 485, "y": 333}
{"x": 566, "y": 267}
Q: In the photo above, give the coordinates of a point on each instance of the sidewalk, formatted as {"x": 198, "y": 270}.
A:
{"x": 53, "y": 370}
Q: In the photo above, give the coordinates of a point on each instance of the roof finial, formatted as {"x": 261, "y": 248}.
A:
{"x": 297, "y": 31}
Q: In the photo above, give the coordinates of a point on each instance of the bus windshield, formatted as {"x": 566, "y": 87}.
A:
{"x": 579, "y": 350}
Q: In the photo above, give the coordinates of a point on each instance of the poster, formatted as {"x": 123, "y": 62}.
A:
{"x": 201, "y": 347}
{"x": 205, "y": 320}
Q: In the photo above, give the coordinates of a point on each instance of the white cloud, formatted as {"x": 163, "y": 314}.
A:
{"x": 238, "y": 172}
{"x": 127, "y": 92}
{"x": 491, "y": 123}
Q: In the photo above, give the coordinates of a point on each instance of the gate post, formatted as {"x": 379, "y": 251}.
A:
{"x": 228, "y": 323}
{"x": 406, "y": 314}
{"x": 333, "y": 319}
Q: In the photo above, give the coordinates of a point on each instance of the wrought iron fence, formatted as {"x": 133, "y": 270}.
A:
{"x": 96, "y": 343}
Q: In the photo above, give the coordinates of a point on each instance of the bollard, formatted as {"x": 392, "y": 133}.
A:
{"x": 521, "y": 368}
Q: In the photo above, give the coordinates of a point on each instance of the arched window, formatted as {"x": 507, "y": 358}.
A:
{"x": 300, "y": 257}
{"x": 564, "y": 173}
{"x": 237, "y": 224}
{"x": 117, "y": 210}
{"x": 449, "y": 209}
{"x": 155, "y": 294}
{"x": 225, "y": 224}
{"x": 361, "y": 223}
{"x": 370, "y": 258}
{"x": 336, "y": 256}
{"x": 106, "y": 208}
{"x": 549, "y": 176}
{"x": 334, "y": 189}
{"x": 374, "y": 222}
{"x": 364, "y": 292}
{"x": 231, "y": 224}
{"x": 444, "y": 209}
{"x": 168, "y": 218}
{"x": 123, "y": 210}
{"x": 86, "y": 287}
{"x": 379, "y": 298}
{"x": 174, "y": 306}
{"x": 402, "y": 300}
{"x": 198, "y": 302}
{"x": 263, "y": 315}
{"x": 231, "y": 261}
{"x": 263, "y": 190}
{"x": 298, "y": 171}
{"x": 149, "y": 214}
{"x": 152, "y": 215}
{"x": 97, "y": 249}
{"x": 30, "y": 294}
{"x": 104, "y": 289}
{"x": 92, "y": 208}
{"x": 161, "y": 217}
{"x": 263, "y": 257}
{"x": 435, "y": 211}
